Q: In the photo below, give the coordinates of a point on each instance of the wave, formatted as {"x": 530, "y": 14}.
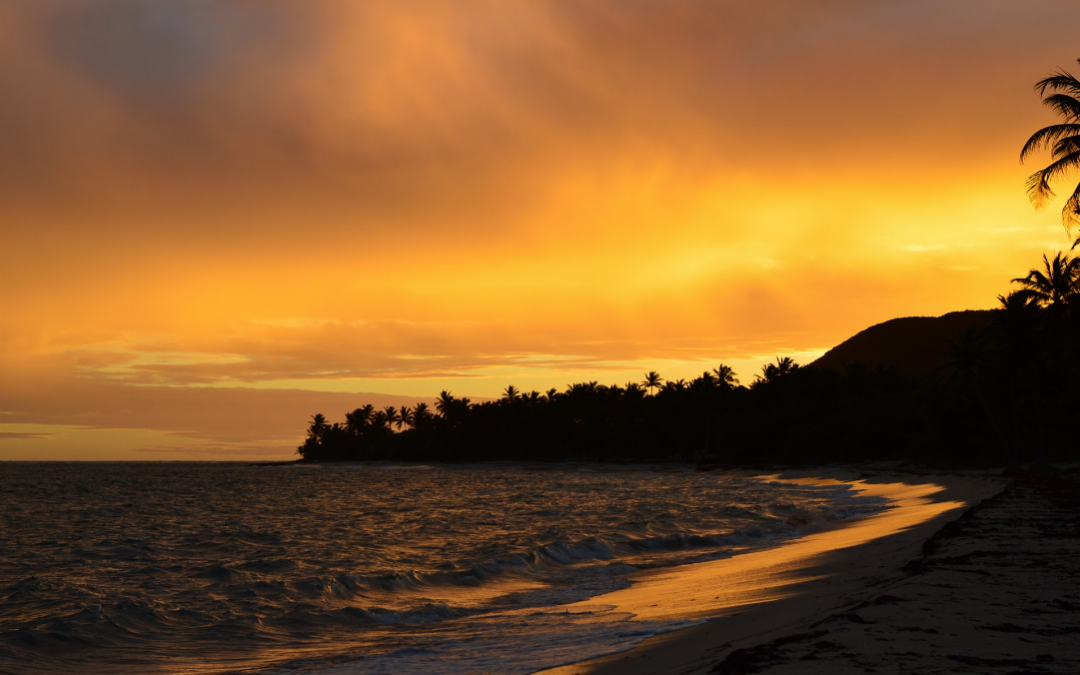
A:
{"x": 189, "y": 564}
{"x": 538, "y": 561}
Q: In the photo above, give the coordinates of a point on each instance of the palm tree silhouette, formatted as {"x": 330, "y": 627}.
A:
{"x": 380, "y": 421}
{"x": 1063, "y": 141}
{"x": 511, "y": 393}
{"x": 421, "y": 415}
{"x": 318, "y": 427}
{"x": 774, "y": 371}
{"x": 652, "y": 381}
{"x": 725, "y": 376}
{"x": 1016, "y": 322}
{"x": 404, "y": 417}
{"x": 444, "y": 403}
{"x": 391, "y": 415}
{"x": 356, "y": 420}
{"x": 966, "y": 358}
{"x": 675, "y": 385}
{"x": 1017, "y": 348}
{"x": 451, "y": 408}
{"x": 1056, "y": 285}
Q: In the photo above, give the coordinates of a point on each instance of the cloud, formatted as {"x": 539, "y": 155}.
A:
{"x": 203, "y": 198}
{"x": 215, "y": 451}
{"x": 229, "y": 416}
{"x": 214, "y": 109}
{"x": 25, "y": 436}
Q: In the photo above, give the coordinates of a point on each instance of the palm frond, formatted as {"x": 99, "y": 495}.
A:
{"x": 1038, "y": 189}
{"x": 1035, "y": 280}
{"x": 1047, "y": 136}
{"x": 1070, "y": 214}
{"x": 1066, "y": 146}
{"x": 1038, "y": 183}
{"x": 1064, "y": 105}
{"x": 1054, "y": 284}
{"x": 1062, "y": 166}
{"x": 1059, "y": 81}
{"x": 1031, "y": 297}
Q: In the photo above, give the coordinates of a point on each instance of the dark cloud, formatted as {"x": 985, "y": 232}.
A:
{"x": 213, "y": 107}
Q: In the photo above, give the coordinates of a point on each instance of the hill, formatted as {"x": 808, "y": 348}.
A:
{"x": 913, "y": 344}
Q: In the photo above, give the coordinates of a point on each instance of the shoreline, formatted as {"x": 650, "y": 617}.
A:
{"x": 760, "y": 596}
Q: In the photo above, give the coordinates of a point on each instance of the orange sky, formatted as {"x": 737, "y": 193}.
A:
{"x": 218, "y": 218}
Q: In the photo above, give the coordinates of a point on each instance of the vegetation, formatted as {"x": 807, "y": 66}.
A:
{"x": 1003, "y": 391}
{"x": 1006, "y": 393}
{"x": 1063, "y": 141}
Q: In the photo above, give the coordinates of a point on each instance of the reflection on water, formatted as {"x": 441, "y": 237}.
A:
{"x": 203, "y": 568}
{"x": 707, "y": 589}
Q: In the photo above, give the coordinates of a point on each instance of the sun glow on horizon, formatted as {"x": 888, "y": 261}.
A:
{"x": 283, "y": 205}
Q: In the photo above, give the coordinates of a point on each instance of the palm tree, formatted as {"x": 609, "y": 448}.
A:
{"x": 652, "y": 381}
{"x": 449, "y": 407}
{"x": 444, "y": 403}
{"x": 967, "y": 356}
{"x": 391, "y": 415}
{"x": 511, "y": 393}
{"x": 318, "y": 427}
{"x": 786, "y": 365}
{"x": 1056, "y": 286}
{"x": 1063, "y": 141}
{"x": 774, "y": 371}
{"x": 1016, "y": 322}
{"x": 1017, "y": 348}
{"x": 675, "y": 385}
{"x": 725, "y": 376}
{"x": 583, "y": 388}
{"x": 421, "y": 415}
{"x": 356, "y": 420}
{"x": 405, "y": 417}
{"x": 380, "y": 420}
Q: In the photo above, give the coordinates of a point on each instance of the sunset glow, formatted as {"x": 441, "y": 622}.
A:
{"x": 220, "y": 218}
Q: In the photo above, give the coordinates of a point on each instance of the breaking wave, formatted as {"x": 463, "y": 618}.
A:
{"x": 229, "y": 568}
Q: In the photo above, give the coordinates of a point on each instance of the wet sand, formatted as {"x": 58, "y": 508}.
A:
{"x": 783, "y": 597}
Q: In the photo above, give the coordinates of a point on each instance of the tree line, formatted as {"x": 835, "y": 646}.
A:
{"x": 1008, "y": 394}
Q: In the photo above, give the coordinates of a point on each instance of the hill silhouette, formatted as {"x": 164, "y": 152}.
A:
{"x": 913, "y": 344}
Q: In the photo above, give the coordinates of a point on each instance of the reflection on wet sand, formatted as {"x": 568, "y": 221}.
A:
{"x": 730, "y": 586}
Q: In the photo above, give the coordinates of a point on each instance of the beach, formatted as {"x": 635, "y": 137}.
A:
{"x": 576, "y": 569}
{"x": 978, "y": 574}
{"x": 451, "y": 569}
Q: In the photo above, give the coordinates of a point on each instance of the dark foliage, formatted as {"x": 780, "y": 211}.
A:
{"x": 1006, "y": 393}
{"x": 1006, "y": 390}
{"x": 1063, "y": 142}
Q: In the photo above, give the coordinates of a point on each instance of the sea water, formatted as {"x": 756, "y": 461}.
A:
{"x": 231, "y": 568}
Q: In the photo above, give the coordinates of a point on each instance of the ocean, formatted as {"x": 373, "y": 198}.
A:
{"x": 234, "y": 568}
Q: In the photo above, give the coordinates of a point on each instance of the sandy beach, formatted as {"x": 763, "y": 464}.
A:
{"x": 968, "y": 573}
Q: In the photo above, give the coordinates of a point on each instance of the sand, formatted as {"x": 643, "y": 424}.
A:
{"x": 996, "y": 589}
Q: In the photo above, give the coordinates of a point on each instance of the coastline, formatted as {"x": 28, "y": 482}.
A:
{"x": 761, "y": 596}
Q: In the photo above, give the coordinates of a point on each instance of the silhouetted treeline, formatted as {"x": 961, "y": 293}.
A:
{"x": 1010, "y": 393}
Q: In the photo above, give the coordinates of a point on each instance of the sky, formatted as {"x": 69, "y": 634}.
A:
{"x": 218, "y": 217}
